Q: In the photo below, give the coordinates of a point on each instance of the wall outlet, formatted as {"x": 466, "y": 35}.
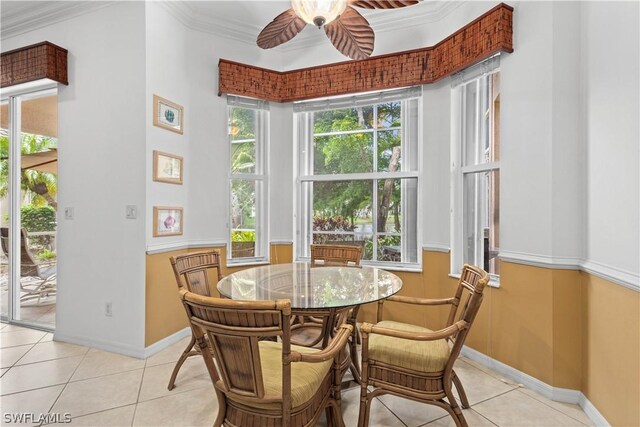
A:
{"x": 108, "y": 309}
{"x": 68, "y": 213}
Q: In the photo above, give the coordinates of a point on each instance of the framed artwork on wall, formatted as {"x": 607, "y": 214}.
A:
{"x": 167, "y": 168}
{"x": 168, "y": 115}
{"x": 167, "y": 221}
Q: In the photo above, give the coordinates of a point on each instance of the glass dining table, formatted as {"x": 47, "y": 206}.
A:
{"x": 311, "y": 290}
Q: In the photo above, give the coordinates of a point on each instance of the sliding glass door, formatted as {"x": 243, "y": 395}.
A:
{"x": 28, "y": 206}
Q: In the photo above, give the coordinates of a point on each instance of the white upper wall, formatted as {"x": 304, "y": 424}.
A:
{"x": 102, "y": 152}
{"x": 612, "y": 137}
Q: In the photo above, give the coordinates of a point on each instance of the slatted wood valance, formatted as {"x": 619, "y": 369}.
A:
{"x": 487, "y": 35}
{"x": 39, "y": 61}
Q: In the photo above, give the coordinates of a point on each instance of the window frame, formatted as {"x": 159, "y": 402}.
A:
{"x": 459, "y": 170}
{"x": 260, "y": 177}
{"x": 304, "y": 168}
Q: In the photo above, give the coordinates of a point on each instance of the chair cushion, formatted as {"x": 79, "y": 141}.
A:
{"x": 421, "y": 356}
{"x": 305, "y": 377}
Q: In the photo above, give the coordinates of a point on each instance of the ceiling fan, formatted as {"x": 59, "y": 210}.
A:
{"x": 349, "y": 31}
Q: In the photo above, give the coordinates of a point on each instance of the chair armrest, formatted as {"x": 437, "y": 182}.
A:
{"x": 332, "y": 350}
{"x": 368, "y": 328}
{"x": 421, "y": 301}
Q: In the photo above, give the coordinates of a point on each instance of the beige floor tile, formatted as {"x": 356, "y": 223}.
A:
{"x": 191, "y": 408}
{"x": 19, "y": 337}
{"x": 99, "y": 394}
{"x": 3, "y": 325}
{"x": 479, "y": 385}
{"x": 169, "y": 354}
{"x": 192, "y": 375}
{"x": 38, "y": 375}
{"x": 12, "y": 328}
{"x": 3, "y": 370}
{"x": 51, "y": 350}
{"x": 9, "y": 356}
{"x": 47, "y": 337}
{"x": 110, "y": 418}
{"x": 380, "y": 415}
{"x": 574, "y": 411}
{"x": 472, "y": 417}
{"x": 99, "y": 363}
{"x": 34, "y": 402}
{"x": 412, "y": 413}
{"x": 517, "y": 409}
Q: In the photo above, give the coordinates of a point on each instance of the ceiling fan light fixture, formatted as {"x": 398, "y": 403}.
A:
{"x": 318, "y": 12}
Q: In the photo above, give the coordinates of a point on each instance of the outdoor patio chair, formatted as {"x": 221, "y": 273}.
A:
{"x": 415, "y": 362}
{"x": 37, "y": 280}
{"x": 260, "y": 382}
{"x": 194, "y": 269}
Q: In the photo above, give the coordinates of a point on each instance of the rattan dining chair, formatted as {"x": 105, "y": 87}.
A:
{"x": 192, "y": 272}
{"x": 311, "y": 329}
{"x": 415, "y": 362}
{"x": 260, "y": 382}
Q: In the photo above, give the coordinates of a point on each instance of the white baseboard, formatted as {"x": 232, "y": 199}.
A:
{"x": 554, "y": 393}
{"x": 126, "y": 350}
{"x": 166, "y": 342}
{"x": 110, "y": 346}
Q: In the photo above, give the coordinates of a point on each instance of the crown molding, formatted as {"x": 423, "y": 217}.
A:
{"x": 24, "y": 19}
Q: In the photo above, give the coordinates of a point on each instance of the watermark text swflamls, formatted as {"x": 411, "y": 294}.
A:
{"x": 32, "y": 418}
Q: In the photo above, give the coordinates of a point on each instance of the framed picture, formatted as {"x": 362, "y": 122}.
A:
{"x": 167, "y": 221}
{"x": 168, "y": 115}
{"x": 167, "y": 168}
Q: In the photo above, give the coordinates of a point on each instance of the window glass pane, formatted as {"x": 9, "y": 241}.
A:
{"x": 389, "y": 248}
{"x": 356, "y": 118}
{"x": 346, "y": 153}
{"x": 389, "y": 115}
{"x": 481, "y": 209}
{"x": 242, "y": 123}
{"x": 481, "y": 114}
{"x": 342, "y": 206}
{"x": 389, "y": 151}
{"x": 243, "y": 218}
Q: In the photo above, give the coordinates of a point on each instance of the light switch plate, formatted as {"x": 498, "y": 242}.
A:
{"x": 68, "y": 213}
{"x": 132, "y": 212}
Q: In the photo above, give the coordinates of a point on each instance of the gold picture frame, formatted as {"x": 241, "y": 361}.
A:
{"x": 168, "y": 115}
{"x": 168, "y": 221}
{"x": 167, "y": 168}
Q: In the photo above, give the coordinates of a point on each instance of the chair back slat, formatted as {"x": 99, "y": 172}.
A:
{"x": 234, "y": 329}
{"x": 335, "y": 255}
{"x": 192, "y": 271}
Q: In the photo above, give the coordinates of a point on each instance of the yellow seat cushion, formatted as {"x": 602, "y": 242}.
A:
{"x": 305, "y": 377}
{"x": 421, "y": 356}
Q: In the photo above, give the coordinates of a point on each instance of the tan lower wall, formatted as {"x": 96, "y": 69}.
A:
{"x": 566, "y": 328}
{"x": 164, "y": 315}
{"x": 611, "y": 350}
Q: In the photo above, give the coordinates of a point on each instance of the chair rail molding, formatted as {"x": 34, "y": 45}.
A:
{"x": 612, "y": 274}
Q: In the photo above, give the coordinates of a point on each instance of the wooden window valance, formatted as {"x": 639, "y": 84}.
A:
{"x": 487, "y": 35}
{"x": 39, "y": 61}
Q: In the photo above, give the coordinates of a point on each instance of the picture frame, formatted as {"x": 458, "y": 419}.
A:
{"x": 167, "y": 168}
{"x": 168, "y": 115}
{"x": 167, "y": 221}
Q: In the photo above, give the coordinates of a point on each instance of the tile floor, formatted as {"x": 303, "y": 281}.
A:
{"x": 98, "y": 388}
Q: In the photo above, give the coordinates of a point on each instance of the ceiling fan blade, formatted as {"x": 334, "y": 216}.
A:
{"x": 382, "y": 4}
{"x": 282, "y": 29}
{"x": 351, "y": 34}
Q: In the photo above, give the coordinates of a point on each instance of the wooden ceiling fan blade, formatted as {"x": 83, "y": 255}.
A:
{"x": 351, "y": 34}
{"x": 383, "y": 4}
{"x": 282, "y": 29}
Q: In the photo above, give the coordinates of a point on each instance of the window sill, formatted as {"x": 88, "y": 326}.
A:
{"x": 494, "y": 281}
{"x": 247, "y": 262}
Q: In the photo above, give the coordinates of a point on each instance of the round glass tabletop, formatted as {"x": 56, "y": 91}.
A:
{"x": 311, "y": 288}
